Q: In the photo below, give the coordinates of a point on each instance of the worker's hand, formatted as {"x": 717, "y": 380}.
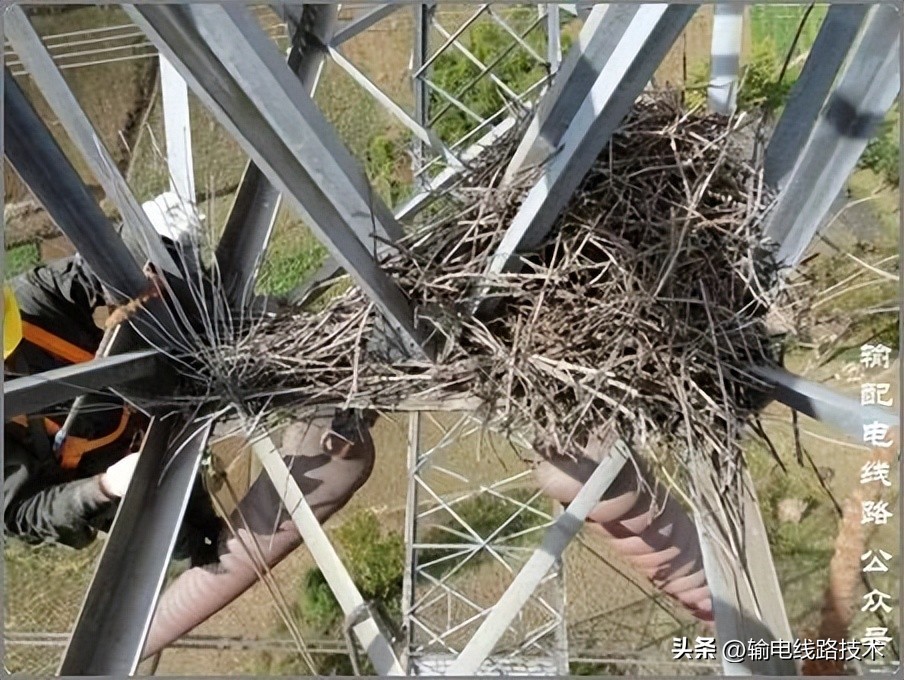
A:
{"x": 115, "y": 480}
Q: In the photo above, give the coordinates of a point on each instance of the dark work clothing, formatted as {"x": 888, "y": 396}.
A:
{"x": 64, "y": 295}
{"x": 42, "y": 505}
{"x": 42, "y": 501}
{"x": 61, "y": 297}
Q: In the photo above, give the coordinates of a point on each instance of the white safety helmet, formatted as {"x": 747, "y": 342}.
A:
{"x": 173, "y": 217}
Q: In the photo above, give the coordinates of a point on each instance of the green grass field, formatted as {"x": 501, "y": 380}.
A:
{"x": 778, "y": 24}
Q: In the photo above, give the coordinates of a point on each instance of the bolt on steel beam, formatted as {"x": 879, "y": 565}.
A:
{"x": 37, "y": 158}
{"x": 367, "y": 630}
{"x": 252, "y": 216}
{"x": 292, "y": 143}
{"x": 34, "y": 393}
{"x": 115, "y": 618}
{"x": 557, "y": 538}
{"x": 808, "y": 94}
{"x": 47, "y": 76}
{"x": 634, "y": 57}
{"x": 866, "y": 90}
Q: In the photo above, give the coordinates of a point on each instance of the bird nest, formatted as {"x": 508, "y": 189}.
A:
{"x": 641, "y": 310}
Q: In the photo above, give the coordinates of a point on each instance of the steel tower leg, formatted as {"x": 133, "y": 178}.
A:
{"x": 337, "y": 205}
{"x": 42, "y": 165}
{"x": 113, "y": 624}
{"x": 252, "y": 216}
{"x": 35, "y": 57}
{"x": 808, "y": 95}
{"x": 863, "y": 96}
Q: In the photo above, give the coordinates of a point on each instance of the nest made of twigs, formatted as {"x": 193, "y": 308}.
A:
{"x": 640, "y": 310}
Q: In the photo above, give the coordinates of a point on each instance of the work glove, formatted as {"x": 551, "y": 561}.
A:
{"x": 115, "y": 481}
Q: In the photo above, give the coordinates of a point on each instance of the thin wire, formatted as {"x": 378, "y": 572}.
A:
{"x": 110, "y": 48}
{"x": 90, "y": 41}
{"x": 261, "y": 12}
{"x": 273, "y": 33}
{"x": 274, "y": 30}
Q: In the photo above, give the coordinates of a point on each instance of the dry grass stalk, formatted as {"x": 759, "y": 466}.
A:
{"x": 845, "y": 576}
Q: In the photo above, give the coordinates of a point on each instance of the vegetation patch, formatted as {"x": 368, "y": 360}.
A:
{"x": 21, "y": 258}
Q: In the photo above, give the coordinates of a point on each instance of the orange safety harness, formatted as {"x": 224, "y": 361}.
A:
{"x": 73, "y": 448}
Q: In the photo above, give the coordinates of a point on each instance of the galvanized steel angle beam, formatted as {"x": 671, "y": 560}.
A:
{"x": 38, "y": 159}
{"x": 866, "y": 89}
{"x": 420, "y": 50}
{"x": 445, "y": 179}
{"x": 340, "y": 219}
{"x": 35, "y": 155}
{"x": 428, "y": 595}
{"x": 422, "y": 134}
{"x": 450, "y": 39}
{"x": 257, "y": 67}
{"x": 40, "y": 162}
{"x": 249, "y": 226}
{"x": 485, "y": 70}
{"x": 310, "y": 28}
{"x": 519, "y": 38}
{"x": 362, "y": 22}
{"x": 740, "y": 573}
{"x": 842, "y": 412}
{"x": 579, "y": 69}
{"x": 47, "y": 76}
{"x": 433, "y": 190}
{"x": 252, "y": 216}
{"x": 369, "y": 633}
{"x": 115, "y": 618}
{"x": 760, "y": 567}
{"x": 728, "y": 35}
{"x": 634, "y": 57}
{"x": 557, "y": 538}
{"x": 177, "y": 132}
{"x": 553, "y": 37}
{"x": 35, "y": 393}
{"x": 747, "y": 599}
{"x": 409, "y": 575}
{"x": 836, "y": 35}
